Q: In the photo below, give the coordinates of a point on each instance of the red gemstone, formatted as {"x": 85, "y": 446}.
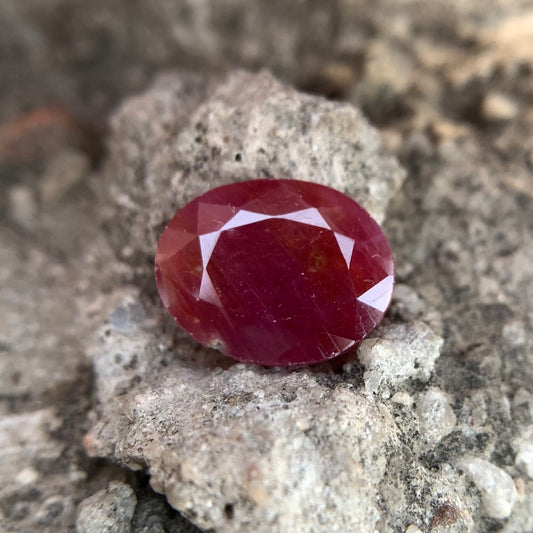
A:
{"x": 275, "y": 272}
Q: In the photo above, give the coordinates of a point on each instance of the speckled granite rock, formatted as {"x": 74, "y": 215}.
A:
{"x": 237, "y": 447}
{"x": 221, "y": 440}
{"x": 232, "y": 409}
{"x": 188, "y": 134}
{"x": 107, "y": 511}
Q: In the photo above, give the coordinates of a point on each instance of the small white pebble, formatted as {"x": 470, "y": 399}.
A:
{"x": 403, "y": 398}
{"x": 498, "y": 490}
{"x": 64, "y": 170}
{"x": 27, "y": 476}
{"x": 524, "y": 458}
{"x": 436, "y": 418}
{"x": 413, "y": 529}
{"x": 22, "y": 205}
{"x": 402, "y": 352}
{"x": 498, "y": 107}
{"x": 515, "y": 333}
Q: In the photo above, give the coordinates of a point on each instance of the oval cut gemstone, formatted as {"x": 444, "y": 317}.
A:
{"x": 275, "y": 272}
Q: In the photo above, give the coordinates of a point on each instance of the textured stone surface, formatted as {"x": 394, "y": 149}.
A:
{"x": 240, "y": 448}
{"x": 110, "y": 47}
{"x": 441, "y": 80}
{"x": 440, "y": 421}
{"x": 48, "y": 309}
{"x": 189, "y": 134}
{"x": 436, "y": 418}
{"x": 262, "y": 438}
{"x": 497, "y": 487}
{"x": 400, "y": 352}
{"x": 41, "y": 368}
{"x": 107, "y": 511}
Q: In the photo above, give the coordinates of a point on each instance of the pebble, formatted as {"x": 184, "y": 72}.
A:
{"x": 64, "y": 170}
{"x": 436, "y": 418}
{"x": 107, "y": 511}
{"x": 524, "y": 458}
{"x": 22, "y": 205}
{"x": 402, "y": 351}
{"x": 406, "y": 303}
{"x": 27, "y": 476}
{"x": 497, "y": 488}
{"x": 403, "y": 398}
{"x": 498, "y": 107}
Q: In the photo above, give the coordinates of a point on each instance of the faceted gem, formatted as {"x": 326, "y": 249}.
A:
{"x": 275, "y": 272}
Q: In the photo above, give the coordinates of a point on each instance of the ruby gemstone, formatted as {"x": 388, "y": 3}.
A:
{"x": 275, "y": 272}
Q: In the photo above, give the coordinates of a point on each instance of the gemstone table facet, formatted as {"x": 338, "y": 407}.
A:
{"x": 275, "y": 272}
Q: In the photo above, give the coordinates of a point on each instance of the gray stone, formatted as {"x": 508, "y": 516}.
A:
{"x": 436, "y": 418}
{"x": 497, "y": 487}
{"x": 248, "y": 452}
{"x": 406, "y": 303}
{"x": 399, "y": 353}
{"x": 107, "y": 511}
{"x": 198, "y": 422}
{"x": 188, "y": 134}
{"x": 64, "y": 170}
{"x": 236, "y": 447}
{"x": 524, "y": 457}
{"x": 522, "y": 517}
{"x": 154, "y": 515}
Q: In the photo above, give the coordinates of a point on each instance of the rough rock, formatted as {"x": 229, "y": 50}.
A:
{"x": 234, "y": 447}
{"x": 188, "y": 134}
{"x": 154, "y": 515}
{"x": 522, "y": 517}
{"x": 524, "y": 457}
{"x": 247, "y": 449}
{"x": 401, "y": 352}
{"x": 436, "y": 418}
{"x": 497, "y": 487}
{"x": 406, "y": 303}
{"x": 201, "y": 424}
{"x": 108, "y": 511}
